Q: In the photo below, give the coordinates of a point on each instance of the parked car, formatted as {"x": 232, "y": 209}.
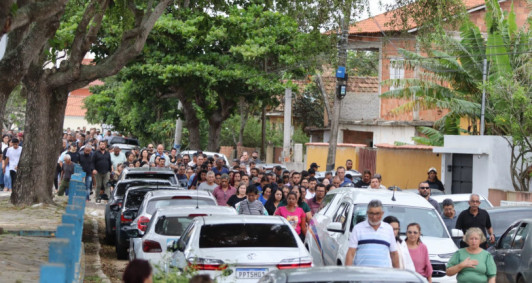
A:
{"x": 149, "y": 173}
{"x": 208, "y": 153}
{"x": 357, "y": 176}
{"x": 461, "y": 201}
{"x": 166, "y": 226}
{"x": 328, "y": 234}
{"x": 125, "y": 144}
{"x": 249, "y": 245}
{"x": 168, "y": 198}
{"x": 502, "y": 216}
{"x": 112, "y": 208}
{"x": 341, "y": 274}
{"x": 132, "y": 200}
{"x": 513, "y": 253}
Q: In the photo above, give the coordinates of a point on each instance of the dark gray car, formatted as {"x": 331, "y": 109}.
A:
{"x": 342, "y": 274}
{"x": 513, "y": 253}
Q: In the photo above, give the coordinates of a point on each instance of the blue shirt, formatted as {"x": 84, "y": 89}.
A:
{"x": 223, "y": 171}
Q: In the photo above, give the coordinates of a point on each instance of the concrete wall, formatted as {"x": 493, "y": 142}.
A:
{"x": 77, "y": 121}
{"x": 405, "y": 166}
{"x": 360, "y": 106}
{"x": 491, "y": 161}
{"x": 317, "y": 152}
{"x": 382, "y": 133}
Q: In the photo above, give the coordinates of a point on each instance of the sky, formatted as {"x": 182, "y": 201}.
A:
{"x": 375, "y": 8}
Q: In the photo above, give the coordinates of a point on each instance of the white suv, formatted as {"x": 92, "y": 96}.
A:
{"x": 328, "y": 236}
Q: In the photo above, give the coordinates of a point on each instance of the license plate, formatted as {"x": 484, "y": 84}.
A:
{"x": 250, "y": 273}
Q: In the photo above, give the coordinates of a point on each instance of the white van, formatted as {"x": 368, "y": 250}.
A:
{"x": 328, "y": 236}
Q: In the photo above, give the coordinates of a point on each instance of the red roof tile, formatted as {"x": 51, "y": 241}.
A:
{"x": 74, "y": 106}
{"x": 371, "y": 25}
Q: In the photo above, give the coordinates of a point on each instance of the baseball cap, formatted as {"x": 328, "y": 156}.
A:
{"x": 432, "y": 169}
{"x": 314, "y": 164}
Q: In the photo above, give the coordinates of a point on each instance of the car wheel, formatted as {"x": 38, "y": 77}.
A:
{"x": 109, "y": 239}
{"x": 520, "y": 279}
{"x": 121, "y": 250}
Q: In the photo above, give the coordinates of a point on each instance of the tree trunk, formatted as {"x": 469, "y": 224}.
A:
{"x": 45, "y": 113}
{"x": 192, "y": 125}
{"x": 215, "y": 127}
{"x": 244, "y": 115}
{"x": 263, "y": 134}
{"x": 3, "y": 101}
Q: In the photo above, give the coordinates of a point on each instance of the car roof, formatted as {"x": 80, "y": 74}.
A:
{"x": 160, "y": 193}
{"x": 454, "y": 197}
{"x": 349, "y": 273}
{"x": 242, "y": 219}
{"x": 154, "y": 188}
{"x": 205, "y": 152}
{"x": 187, "y": 210}
{"x": 385, "y": 196}
{"x": 497, "y": 209}
{"x": 149, "y": 170}
{"x": 144, "y": 180}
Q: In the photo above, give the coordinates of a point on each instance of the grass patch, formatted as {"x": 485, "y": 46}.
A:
{"x": 92, "y": 278}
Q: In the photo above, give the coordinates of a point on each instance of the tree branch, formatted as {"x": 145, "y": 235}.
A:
{"x": 27, "y": 14}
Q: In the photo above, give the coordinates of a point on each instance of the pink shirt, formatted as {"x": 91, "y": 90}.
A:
{"x": 221, "y": 196}
{"x": 420, "y": 257}
{"x": 294, "y": 217}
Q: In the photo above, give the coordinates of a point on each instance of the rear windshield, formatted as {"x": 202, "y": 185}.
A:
{"x": 246, "y": 235}
{"x": 158, "y": 203}
{"x": 122, "y": 187}
{"x": 159, "y": 176}
{"x": 172, "y": 226}
{"x": 135, "y": 198}
{"x": 501, "y": 220}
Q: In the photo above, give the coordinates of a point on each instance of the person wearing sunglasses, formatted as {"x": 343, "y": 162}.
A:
{"x": 418, "y": 251}
{"x": 424, "y": 191}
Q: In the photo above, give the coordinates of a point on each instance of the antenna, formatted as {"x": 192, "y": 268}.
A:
{"x": 197, "y": 196}
{"x": 393, "y": 196}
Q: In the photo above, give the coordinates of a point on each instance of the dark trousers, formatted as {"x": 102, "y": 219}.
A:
{"x": 13, "y": 177}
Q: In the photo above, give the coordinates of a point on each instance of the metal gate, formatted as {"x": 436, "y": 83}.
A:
{"x": 367, "y": 159}
{"x": 462, "y": 181}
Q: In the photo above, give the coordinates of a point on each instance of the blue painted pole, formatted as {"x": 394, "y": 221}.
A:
{"x": 68, "y": 231}
{"x": 59, "y": 252}
{"x": 53, "y": 273}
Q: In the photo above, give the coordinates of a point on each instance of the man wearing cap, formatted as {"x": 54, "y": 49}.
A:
{"x": 433, "y": 181}
{"x": 314, "y": 166}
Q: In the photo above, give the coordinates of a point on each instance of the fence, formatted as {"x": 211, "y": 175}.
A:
{"x": 64, "y": 254}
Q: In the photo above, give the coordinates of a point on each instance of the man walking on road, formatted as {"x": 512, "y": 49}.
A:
{"x": 101, "y": 162}
{"x": 372, "y": 242}
{"x": 85, "y": 160}
{"x": 475, "y": 216}
{"x": 424, "y": 191}
{"x": 66, "y": 173}
{"x": 12, "y": 158}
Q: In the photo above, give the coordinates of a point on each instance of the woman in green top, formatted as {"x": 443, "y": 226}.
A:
{"x": 473, "y": 264}
{"x": 300, "y": 202}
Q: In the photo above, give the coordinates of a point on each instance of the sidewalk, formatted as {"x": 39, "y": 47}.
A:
{"x": 22, "y": 256}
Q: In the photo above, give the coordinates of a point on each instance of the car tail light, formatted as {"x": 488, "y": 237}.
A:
{"x": 149, "y": 246}
{"x": 142, "y": 224}
{"x": 196, "y": 215}
{"x": 206, "y": 264}
{"x": 181, "y": 197}
{"x": 124, "y": 220}
{"x": 301, "y": 262}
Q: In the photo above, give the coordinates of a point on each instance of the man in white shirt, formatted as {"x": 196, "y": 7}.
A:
{"x": 12, "y": 158}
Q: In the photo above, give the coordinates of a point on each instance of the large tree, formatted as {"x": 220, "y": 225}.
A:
{"x": 48, "y": 83}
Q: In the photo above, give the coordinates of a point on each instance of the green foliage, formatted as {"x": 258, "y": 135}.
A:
{"x": 362, "y": 63}
{"x": 14, "y": 116}
{"x": 308, "y": 107}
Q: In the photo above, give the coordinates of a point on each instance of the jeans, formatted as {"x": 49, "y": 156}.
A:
{"x": 88, "y": 184}
{"x": 7, "y": 180}
{"x": 2, "y": 178}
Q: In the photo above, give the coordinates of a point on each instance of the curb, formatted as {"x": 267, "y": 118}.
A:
{"x": 97, "y": 263}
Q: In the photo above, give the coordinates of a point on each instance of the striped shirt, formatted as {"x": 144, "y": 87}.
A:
{"x": 372, "y": 246}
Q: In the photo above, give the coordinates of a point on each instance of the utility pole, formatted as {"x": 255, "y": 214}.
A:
{"x": 483, "y": 108}
{"x": 341, "y": 85}
{"x": 178, "y": 129}
{"x": 287, "y": 124}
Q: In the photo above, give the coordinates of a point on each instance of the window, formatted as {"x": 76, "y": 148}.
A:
{"x": 506, "y": 239}
{"x": 520, "y": 237}
{"x": 246, "y": 235}
{"x": 397, "y": 70}
{"x": 501, "y": 219}
{"x": 326, "y": 202}
{"x": 160, "y": 176}
{"x": 153, "y": 205}
{"x": 172, "y": 226}
{"x": 342, "y": 214}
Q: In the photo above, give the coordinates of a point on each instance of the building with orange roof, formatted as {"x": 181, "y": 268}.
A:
{"x": 75, "y": 111}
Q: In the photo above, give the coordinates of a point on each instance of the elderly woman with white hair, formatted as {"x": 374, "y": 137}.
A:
{"x": 473, "y": 264}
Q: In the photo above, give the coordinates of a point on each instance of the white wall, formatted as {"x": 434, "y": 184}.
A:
{"x": 73, "y": 122}
{"x": 491, "y": 161}
{"x": 382, "y": 133}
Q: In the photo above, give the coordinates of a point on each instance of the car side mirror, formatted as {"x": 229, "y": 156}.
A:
{"x": 456, "y": 233}
{"x": 172, "y": 246}
{"x": 335, "y": 227}
{"x": 133, "y": 233}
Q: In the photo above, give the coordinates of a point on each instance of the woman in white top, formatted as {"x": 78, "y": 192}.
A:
{"x": 405, "y": 261}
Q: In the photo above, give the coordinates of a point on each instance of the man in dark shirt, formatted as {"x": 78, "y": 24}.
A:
{"x": 475, "y": 216}
{"x": 102, "y": 167}
{"x": 365, "y": 181}
{"x": 85, "y": 160}
{"x": 66, "y": 173}
{"x": 432, "y": 179}
{"x": 424, "y": 191}
{"x": 315, "y": 202}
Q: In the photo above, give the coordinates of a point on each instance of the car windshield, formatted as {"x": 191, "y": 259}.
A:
{"x": 431, "y": 225}
{"x": 500, "y": 220}
{"x": 153, "y": 205}
{"x": 172, "y": 226}
{"x": 122, "y": 186}
{"x": 159, "y": 176}
{"x": 246, "y": 235}
{"x": 135, "y": 198}
{"x": 460, "y": 206}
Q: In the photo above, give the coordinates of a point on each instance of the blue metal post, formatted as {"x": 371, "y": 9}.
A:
{"x": 53, "y": 273}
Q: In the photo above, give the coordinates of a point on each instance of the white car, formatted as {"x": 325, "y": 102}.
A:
{"x": 354, "y": 174}
{"x": 328, "y": 234}
{"x": 248, "y": 245}
{"x": 167, "y": 225}
{"x": 208, "y": 153}
{"x": 461, "y": 201}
